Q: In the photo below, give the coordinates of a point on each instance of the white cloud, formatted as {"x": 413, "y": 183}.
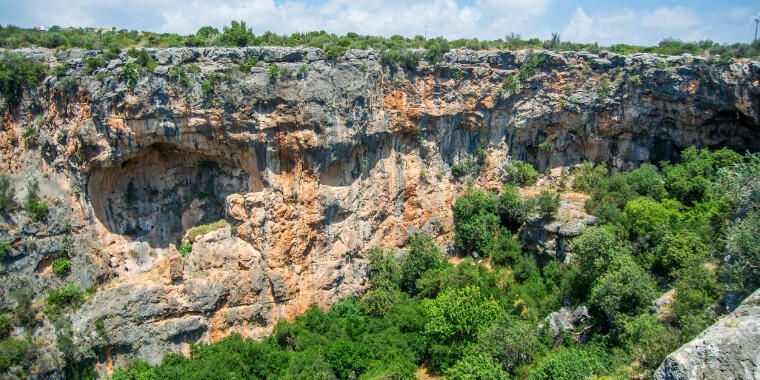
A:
{"x": 644, "y": 27}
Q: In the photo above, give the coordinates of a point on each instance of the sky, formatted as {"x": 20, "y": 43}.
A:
{"x": 642, "y": 22}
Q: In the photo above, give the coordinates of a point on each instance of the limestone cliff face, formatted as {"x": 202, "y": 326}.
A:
{"x": 310, "y": 166}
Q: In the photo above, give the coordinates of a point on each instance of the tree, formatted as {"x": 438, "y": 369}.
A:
{"x": 678, "y": 249}
{"x": 568, "y": 364}
{"x": 458, "y": 314}
{"x": 423, "y": 256}
{"x": 594, "y": 250}
{"x": 476, "y": 367}
{"x": 507, "y": 249}
{"x": 16, "y": 72}
{"x": 207, "y": 31}
{"x": 651, "y": 220}
{"x": 623, "y": 290}
{"x": 547, "y": 203}
{"x": 476, "y": 221}
{"x": 236, "y": 35}
{"x": 511, "y": 342}
{"x": 521, "y": 173}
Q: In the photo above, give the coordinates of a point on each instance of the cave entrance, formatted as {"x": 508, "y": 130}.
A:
{"x": 158, "y": 195}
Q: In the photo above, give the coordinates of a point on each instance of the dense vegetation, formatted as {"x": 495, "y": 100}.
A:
{"x": 237, "y": 34}
{"x": 691, "y": 226}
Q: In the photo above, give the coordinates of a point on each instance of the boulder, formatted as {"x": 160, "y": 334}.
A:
{"x": 729, "y": 349}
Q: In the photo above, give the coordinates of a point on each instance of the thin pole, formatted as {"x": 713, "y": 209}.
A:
{"x": 757, "y": 21}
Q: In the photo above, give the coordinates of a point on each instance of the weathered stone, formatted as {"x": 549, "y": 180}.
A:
{"x": 729, "y": 349}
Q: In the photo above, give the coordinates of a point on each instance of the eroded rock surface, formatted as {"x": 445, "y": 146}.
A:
{"x": 310, "y": 168}
{"x": 729, "y": 349}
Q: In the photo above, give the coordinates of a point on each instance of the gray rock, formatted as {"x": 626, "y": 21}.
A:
{"x": 729, "y": 349}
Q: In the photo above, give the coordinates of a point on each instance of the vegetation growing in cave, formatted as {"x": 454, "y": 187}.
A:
{"x": 665, "y": 227}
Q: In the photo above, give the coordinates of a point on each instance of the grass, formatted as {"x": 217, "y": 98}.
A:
{"x": 204, "y": 229}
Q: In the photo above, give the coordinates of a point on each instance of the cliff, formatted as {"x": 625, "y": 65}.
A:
{"x": 311, "y": 162}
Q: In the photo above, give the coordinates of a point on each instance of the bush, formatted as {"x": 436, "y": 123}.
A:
{"x": 185, "y": 248}
{"x": 588, "y": 175}
{"x": 510, "y": 83}
{"x": 6, "y": 326}
{"x": 511, "y": 342}
{"x": 741, "y": 267}
{"x": 476, "y": 367}
{"x": 697, "y": 290}
{"x": 624, "y": 290}
{"x": 514, "y": 211}
{"x": 679, "y": 249}
{"x": 203, "y": 229}
{"x": 25, "y": 311}
{"x": 530, "y": 65}
{"x": 435, "y": 48}
{"x": 19, "y": 352}
{"x": 69, "y": 296}
{"x": 507, "y": 249}
{"x": 648, "y": 340}
{"x": 594, "y": 250}
{"x": 6, "y": 194}
{"x": 423, "y": 256}
{"x": 61, "y": 266}
{"x": 37, "y": 208}
{"x": 236, "y": 35}
{"x": 476, "y": 221}
{"x": 16, "y": 72}
{"x": 129, "y": 74}
{"x": 547, "y": 204}
{"x": 521, "y": 173}
{"x": 457, "y": 315}
{"x": 651, "y": 220}
{"x": 568, "y": 364}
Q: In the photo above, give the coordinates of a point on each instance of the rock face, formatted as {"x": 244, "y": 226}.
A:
{"x": 729, "y": 349}
{"x": 310, "y": 167}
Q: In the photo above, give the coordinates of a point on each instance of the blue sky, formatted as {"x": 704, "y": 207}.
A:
{"x": 636, "y": 22}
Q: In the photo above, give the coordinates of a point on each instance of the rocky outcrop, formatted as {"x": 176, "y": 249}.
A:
{"x": 312, "y": 162}
{"x": 729, "y": 349}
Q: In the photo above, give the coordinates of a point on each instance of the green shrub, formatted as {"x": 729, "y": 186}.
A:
{"x": 588, "y": 175}
{"x": 594, "y": 250}
{"x": 61, "y": 266}
{"x": 603, "y": 90}
{"x": 185, "y": 248}
{"x": 697, "y": 290}
{"x": 512, "y": 209}
{"x": 511, "y": 342}
{"x": 568, "y": 364}
{"x": 435, "y": 48}
{"x": 510, "y": 82}
{"x": 547, "y": 204}
{"x": 36, "y": 207}
{"x": 679, "y": 249}
{"x": 6, "y": 326}
{"x": 651, "y": 220}
{"x": 476, "y": 367}
{"x": 129, "y": 73}
{"x": 521, "y": 173}
{"x": 530, "y": 65}
{"x": 507, "y": 250}
{"x": 476, "y": 219}
{"x": 17, "y": 72}
{"x": 648, "y": 340}
{"x": 19, "y": 352}
{"x": 273, "y": 71}
{"x": 203, "y": 229}
{"x": 25, "y": 311}
{"x": 58, "y": 300}
{"x": 5, "y": 249}
{"x": 7, "y": 203}
{"x": 459, "y": 314}
{"x": 624, "y": 290}
{"x": 423, "y": 256}
{"x": 248, "y": 64}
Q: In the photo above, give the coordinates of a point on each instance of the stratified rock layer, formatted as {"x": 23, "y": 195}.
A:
{"x": 729, "y": 349}
{"x": 311, "y": 167}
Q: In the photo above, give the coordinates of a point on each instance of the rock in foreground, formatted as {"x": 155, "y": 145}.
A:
{"x": 729, "y": 349}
